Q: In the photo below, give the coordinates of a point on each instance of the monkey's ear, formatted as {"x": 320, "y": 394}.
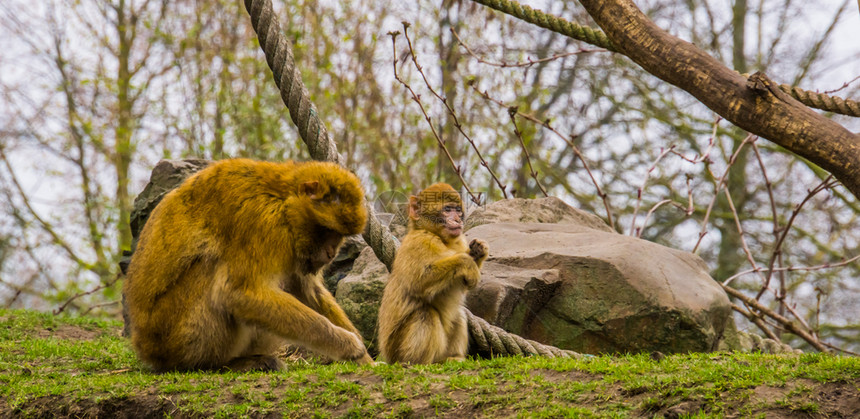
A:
{"x": 311, "y": 189}
{"x": 414, "y": 207}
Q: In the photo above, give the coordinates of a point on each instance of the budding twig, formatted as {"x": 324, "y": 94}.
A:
{"x": 530, "y": 62}
{"x": 451, "y": 112}
{"x": 512, "y": 112}
{"x": 427, "y": 118}
{"x": 576, "y": 152}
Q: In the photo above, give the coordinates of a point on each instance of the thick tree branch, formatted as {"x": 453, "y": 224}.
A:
{"x": 755, "y": 104}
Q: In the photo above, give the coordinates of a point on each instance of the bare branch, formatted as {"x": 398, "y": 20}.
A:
{"x": 451, "y": 112}
{"x": 417, "y": 99}
{"x": 788, "y": 324}
{"x": 576, "y": 152}
{"x": 718, "y": 186}
{"x": 529, "y": 61}
{"x": 844, "y": 262}
{"x": 46, "y": 226}
{"x": 828, "y": 183}
{"x": 663, "y": 153}
{"x": 98, "y": 288}
{"x": 512, "y": 112}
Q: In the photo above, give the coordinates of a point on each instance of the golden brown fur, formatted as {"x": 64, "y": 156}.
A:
{"x": 227, "y": 268}
{"x": 422, "y": 318}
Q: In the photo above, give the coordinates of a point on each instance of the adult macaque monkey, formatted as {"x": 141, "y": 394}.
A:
{"x": 422, "y": 318}
{"x": 227, "y": 268}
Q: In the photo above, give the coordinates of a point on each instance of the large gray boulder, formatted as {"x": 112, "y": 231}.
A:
{"x": 593, "y": 291}
{"x": 359, "y": 293}
{"x": 166, "y": 176}
{"x": 541, "y": 210}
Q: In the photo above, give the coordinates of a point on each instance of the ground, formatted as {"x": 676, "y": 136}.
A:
{"x": 83, "y": 368}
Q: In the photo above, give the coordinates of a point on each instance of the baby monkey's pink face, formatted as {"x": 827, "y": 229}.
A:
{"x": 452, "y": 219}
{"x": 438, "y": 209}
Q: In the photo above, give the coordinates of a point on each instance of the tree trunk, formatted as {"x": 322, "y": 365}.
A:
{"x": 755, "y": 104}
{"x": 122, "y": 148}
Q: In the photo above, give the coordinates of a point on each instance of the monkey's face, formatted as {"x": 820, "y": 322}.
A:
{"x": 336, "y": 201}
{"x": 451, "y": 220}
{"x": 438, "y": 209}
{"x": 328, "y": 245}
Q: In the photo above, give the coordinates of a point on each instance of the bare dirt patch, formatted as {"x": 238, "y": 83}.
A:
{"x": 553, "y": 376}
{"x": 841, "y": 398}
{"x": 143, "y": 406}
{"x": 67, "y": 332}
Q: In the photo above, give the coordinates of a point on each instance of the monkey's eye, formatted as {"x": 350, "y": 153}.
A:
{"x": 451, "y": 208}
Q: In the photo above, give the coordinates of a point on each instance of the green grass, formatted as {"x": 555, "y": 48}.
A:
{"x": 66, "y": 366}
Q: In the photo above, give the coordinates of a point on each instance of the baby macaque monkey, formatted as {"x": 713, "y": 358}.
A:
{"x": 227, "y": 268}
{"x": 422, "y": 319}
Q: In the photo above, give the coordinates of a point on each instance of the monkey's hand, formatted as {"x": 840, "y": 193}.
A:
{"x": 366, "y": 360}
{"x": 359, "y": 352}
{"x": 478, "y": 250}
{"x": 471, "y": 273}
{"x": 471, "y": 277}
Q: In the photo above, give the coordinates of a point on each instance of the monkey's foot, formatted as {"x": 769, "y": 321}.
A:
{"x": 255, "y": 363}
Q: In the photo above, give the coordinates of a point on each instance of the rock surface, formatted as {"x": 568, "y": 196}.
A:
{"x": 360, "y": 294}
{"x": 542, "y": 210}
{"x": 593, "y": 291}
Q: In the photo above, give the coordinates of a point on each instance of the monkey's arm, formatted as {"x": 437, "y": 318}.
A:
{"x": 283, "y": 314}
{"x": 329, "y": 308}
{"x": 439, "y": 276}
{"x": 323, "y": 302}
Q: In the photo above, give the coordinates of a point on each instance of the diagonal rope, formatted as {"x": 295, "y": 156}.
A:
{"x": 597, "y": 38}
{"x": 556, "y": 24}
{"x": 279, "y": 56}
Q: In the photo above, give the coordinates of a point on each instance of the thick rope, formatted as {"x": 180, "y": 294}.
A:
{"x": 567, "y": 28}
{"x": 279, "y": 56}
{"x": 487, "y": 338}
{"x": 597, "y": 38}
{"x": 823, "y": 101}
